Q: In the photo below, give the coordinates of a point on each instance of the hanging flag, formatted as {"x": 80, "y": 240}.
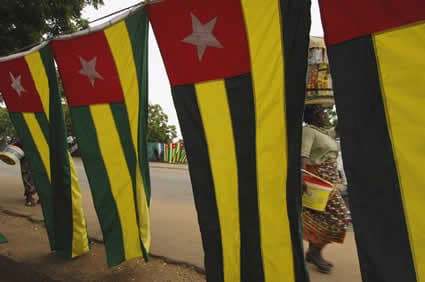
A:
{"x": 173, "y": 152}
{"x": 29, "y": 87}
{"x": 181, "y": 152}
{"x": 176, "y": 153}
{"x": 237, "y": 71}
{"x": 376, "y": 52}
{"x": 104, "y": 74}
{"x": 166, "y": 150}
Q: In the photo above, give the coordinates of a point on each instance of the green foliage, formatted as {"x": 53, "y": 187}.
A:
{"x": 158, "y": 128}
{"x": 25, "y": 22}
{"x": 7, "y": 131}
{"x": 67, "y": 117}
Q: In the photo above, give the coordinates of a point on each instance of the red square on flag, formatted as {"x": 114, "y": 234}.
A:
{"x": 88, "y": 70}
{"x": 201, "y": 40}
{"x": 346, "y": 20}
{"x": 18, "y": 88}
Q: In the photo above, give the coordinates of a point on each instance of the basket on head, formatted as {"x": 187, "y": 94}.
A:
{"x": 11, "y": 155}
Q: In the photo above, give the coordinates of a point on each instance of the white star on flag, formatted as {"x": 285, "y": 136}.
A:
{"x": 89, "y": 70}
{"x": 202, "y": 36}
{"x": 17, "y": 84}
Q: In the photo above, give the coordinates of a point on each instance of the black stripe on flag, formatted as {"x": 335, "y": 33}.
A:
{"x": 295, "y": 18}
{"x": 59, "y": 161}
{"x": 242, "y": 109}
{"x": 187, "y": 108}
{"x": 376, "y": 203}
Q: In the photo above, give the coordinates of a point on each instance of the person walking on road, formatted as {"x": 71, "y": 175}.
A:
{"x": 318, "y": 155}
{"x": 29, "y": 188}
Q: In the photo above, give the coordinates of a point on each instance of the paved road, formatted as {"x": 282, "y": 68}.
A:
{"x": 175, "y": 232}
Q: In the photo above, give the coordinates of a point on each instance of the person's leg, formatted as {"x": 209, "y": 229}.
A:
{"x": 314, "y": 256}
{"x": 320, "y": 251}
{"x": 29, "y": 189}
{"x": 29, "y": 196}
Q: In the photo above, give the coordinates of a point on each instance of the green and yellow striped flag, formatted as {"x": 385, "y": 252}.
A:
{"x": 29, "y": 86}
{"x": 166, "y": 152}
{"x": 237, "y": 70}
{"x": 377, "y": 57}
{"x": 104, "y": 73}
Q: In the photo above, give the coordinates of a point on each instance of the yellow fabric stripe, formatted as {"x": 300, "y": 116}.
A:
{"x": 119, "y": 177}
{"x": 216, "y": 118}
{"x": 262, "y": 19}
{"x": 39, "y": 77}
{"x": 121, "y": 49}
{"x": 80, "y": 241}
{"x": 401, "y": 62}
{"x": 39, "y": 140}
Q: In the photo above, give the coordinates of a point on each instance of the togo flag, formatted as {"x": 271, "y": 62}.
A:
{"x": 28, "y": 83}
{"x": 237, "y": 70}
{"x": 104, "y": 74}
{"x": 166, "y": 150}
{"x": 377, "y": 57}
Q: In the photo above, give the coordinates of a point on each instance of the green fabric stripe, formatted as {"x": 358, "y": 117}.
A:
{"x": 242, "y": 108}
{"x": 186, "y": 103}
{"x": 295, "y": 22}
{"x": 38, "y": 173}
{"x": 122, "y": 123}
{"x": 138, "y": 29}
{"x": 44, "y": 125}
{"x": 59, "y": 162}
{"x": 103, "y": 199}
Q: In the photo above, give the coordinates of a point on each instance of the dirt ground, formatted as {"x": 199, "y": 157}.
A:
{"x": 26, "y": 258}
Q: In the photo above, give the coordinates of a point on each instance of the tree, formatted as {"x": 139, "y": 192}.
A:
{"x": 158, "y": 128}
{"x": 25, "y": 22}
{"x": 67, "y": 118}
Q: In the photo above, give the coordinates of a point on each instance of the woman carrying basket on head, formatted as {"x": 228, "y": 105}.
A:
{"x": 318, "y": 155}
{"x": 12, "y": 155}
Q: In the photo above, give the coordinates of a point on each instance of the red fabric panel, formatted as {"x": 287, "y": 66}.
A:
{"x": 79, "y": 90}
{"x": 29, "y": 100}
{"x": 347, "y": 19}
{"x": 172, "y": 22}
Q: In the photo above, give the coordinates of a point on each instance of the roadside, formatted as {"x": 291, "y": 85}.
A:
{"x": 175, "y": 235}
{"x": 13, "y": 271}
{"x": 26, "y": 258}
{"x": 168, "y": 166}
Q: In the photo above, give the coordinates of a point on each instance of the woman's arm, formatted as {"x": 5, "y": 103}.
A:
{"x": 306, "y": 146}
{"x": 304, "y": 162}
